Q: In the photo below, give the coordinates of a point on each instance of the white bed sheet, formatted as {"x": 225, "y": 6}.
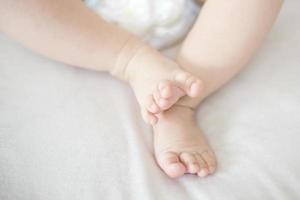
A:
{"x": 67, "y": 133}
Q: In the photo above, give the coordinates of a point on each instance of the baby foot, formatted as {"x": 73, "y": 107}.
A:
{"x": 159, "y": 83}
{"x": 179, "y": 145}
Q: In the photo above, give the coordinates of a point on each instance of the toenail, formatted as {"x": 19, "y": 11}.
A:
{"x": 194, "y": 89}
{"x": 203, "y": 173}
{"x": 162, "y": 102}
{"x": 164, "y": 92}
{"x": 194, "y": 86}
{"x": 163, "y": 87}
{"x": 193, "y": 168}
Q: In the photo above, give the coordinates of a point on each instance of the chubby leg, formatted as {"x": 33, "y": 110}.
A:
{"x": 67, "y": 31}
{"x": 222, "y": 41}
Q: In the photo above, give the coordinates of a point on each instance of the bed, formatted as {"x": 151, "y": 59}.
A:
{"x": 68, "y": 133}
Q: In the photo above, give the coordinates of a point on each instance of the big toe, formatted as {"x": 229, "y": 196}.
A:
{"x": 171, "y": 165}
{"x": 167, "y": 94}
{"x": 192, "y": 85}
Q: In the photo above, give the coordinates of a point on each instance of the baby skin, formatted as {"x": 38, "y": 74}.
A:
{"x": 180, "y": 147}
{"x": 184, "y": 149}
{"x": 158, "y": 82}
{"x": 222, "y": 41}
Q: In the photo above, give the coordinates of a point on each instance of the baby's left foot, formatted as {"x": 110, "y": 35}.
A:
{"x": 159, "y": 83}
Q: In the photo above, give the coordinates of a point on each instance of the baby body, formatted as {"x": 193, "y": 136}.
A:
{"x": 222, "y": 40}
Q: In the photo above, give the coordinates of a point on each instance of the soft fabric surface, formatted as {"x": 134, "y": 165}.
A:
{"x": 67, "y": 133}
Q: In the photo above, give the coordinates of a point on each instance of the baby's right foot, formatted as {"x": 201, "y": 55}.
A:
{"x": 158, "y": 82}
{"x": 180, "y": 146}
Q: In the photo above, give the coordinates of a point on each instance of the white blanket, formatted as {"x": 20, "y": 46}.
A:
{"x": 68, "y": 134}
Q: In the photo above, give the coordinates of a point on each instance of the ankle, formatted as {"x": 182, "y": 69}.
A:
{"x": 126, "y": 55}
{"x": 178, "y": 112}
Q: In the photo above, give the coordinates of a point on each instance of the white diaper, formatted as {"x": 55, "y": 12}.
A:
{"x": 159, "y": 22}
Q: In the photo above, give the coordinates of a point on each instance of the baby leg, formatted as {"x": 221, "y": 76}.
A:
{"x": 222, "y": 41}
{"x": 67, "y": 31}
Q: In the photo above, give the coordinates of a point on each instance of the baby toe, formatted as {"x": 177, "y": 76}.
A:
{"x": 210, "y": 159}
{"x": 167, "y": 94}
{"x": 151, "y": 105}
{"x": 192, "y": 85}
{"x": 157, "y": 98}
{"x": 180, "y": 77}
{"x": 165, "y": 89}
{"x": 203, "y": 171}
{"x": 163, "y": 103}
{"x": 171, "y": 165}
{"x": 149, "y": 117}
{"x": 190, "y": 162}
